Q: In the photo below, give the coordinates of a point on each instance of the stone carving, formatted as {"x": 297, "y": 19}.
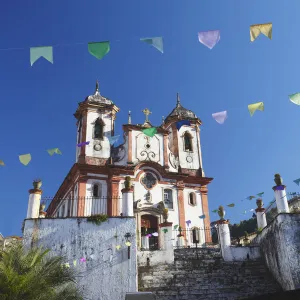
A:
{"x": 165, "y": 215}
{"x": 128, "y": 183}
{"x": 221, "y": 212}
{"x": 259, "y": 203}
{"x": 174, "y": 161}
{"x": 278, "y": 180}
{"x": 149, "y": 153}
{"x": 148, "y": 197}
{"x": 97, "y": 146}
{"x": 189, "y": 159}
{"x": 149, "y": 181}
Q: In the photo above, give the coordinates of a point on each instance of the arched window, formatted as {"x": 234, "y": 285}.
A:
{"x": 195, "y": 235}
{"x": 98, "y": 129}
{"x": 192, "y": 199}
{"x": 187, "y": 142}
{"x": 168, "y": 198}
{"x": 97, "y": 190}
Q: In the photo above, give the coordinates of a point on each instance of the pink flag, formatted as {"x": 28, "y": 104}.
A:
{"x": 220, "y": 117}
{"x": 209, "y": 38}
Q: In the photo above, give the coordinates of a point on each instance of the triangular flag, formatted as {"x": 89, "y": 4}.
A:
{"x": 25, "y": 159}
{"x": 75, "y": 262}
{"x": 82, "y": 259}
{"x": 188, "y": 222}
{"x": 118, "y": 247}
{"x": 156, "y": 42}
{"x": 54, "y": 150}
{"x": 215, "y": 210}
{"x": 255, "y": 106}
{"x": 220, "y": 117}
{"x": 67, "y": 265}
{"x": 113, "y": 139}
{"x": 295, "y": 98}
{"x": 297, "y": 181}
{"x": 253, "y": 215}
{"x": 252, "y": 209}
{"x": 257, "y": 29}
{"x": 99, "y": 49}
{"x": 244, "y": 212}
{"x": 165, "y": 230}
{"x": 150, "y": 131}
{"x": 181, "y": 123}
{"x": 250, "y": 197}
{"x": 231, "y": 205}
{"x": 155, "y": 234}
{"x": 128, "y": 244}
{"x": 2, "y": 163}
{"x": 175, "y": 227}
{"x": 82, "y": 144}
{"x": 260, "y": 194}
{"x": 202, "y": 217}
{"x": 209, "y": 38}
{"x": 37, "y": 52}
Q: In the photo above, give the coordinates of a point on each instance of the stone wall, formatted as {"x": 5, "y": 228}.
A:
{"x": 280, "y": 247}
{"x": 107, "y": 273}
{"x": 206, "y": 276}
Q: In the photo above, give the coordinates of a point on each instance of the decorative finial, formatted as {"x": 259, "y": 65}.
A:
{"x": 163, "y": 119}
{"x": 178, "y": 99}
{"x": 146, "y": 112}
{"x": 97, "y": 87}
{"x": 129, "y": 117}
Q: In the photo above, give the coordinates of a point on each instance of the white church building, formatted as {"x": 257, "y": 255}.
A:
{"x": 166, "y": 171}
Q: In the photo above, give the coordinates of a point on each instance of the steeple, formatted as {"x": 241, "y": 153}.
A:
{"x": 97, "y": 87}
{"x": 178, "y": 100}
{"x": 129, "y": 117}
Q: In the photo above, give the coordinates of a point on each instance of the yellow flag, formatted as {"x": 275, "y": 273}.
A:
{"x": 128, "y": 244}
{"x": 255, "y": 106}
{"x": 54, "y": 150}
{"x": 2, "y": 163}
{"x": 75, "y": 262}
{"x": 25, "y": 159}
{"x": 118, "y": 247}
{"x": 257, "y": 29}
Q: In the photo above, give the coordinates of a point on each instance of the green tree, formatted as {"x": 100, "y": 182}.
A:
{"x": 34, "y": 275}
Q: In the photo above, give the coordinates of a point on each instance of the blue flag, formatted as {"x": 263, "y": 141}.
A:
{"x": 113, "y": 139}
{"x": 202, "y": 217}
{"x": 181, "y": 123}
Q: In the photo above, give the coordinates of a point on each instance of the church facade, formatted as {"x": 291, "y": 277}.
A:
{"x": 165, "y": 168}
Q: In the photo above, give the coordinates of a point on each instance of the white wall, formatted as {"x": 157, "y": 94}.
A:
{"x": 123, "y": 152}
{"x": 242, "y": 253}
{"x": 107, "y": 274}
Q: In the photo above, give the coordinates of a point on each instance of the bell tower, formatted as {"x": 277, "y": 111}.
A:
{"x": 95, "y": 126}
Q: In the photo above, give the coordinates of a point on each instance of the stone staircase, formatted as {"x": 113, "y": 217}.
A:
{"x": 206, "y": 277}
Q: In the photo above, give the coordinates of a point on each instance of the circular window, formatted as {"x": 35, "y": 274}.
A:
{"x": 149, "y": 181}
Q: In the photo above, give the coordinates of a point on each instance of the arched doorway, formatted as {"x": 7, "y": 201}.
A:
{"x": 149, "y": 225}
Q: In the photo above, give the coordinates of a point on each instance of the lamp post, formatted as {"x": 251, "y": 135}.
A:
{"x": 127, "y": 237}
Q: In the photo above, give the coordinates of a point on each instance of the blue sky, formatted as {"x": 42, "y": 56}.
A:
{"x": 37, "y": 103}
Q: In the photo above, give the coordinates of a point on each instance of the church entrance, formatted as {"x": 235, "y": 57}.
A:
{"x": 149, "y": 225}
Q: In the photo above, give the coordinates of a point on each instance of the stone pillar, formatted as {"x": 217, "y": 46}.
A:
{"x": 280, "y": 195}
{"x": 127, "y": 198}
{"x": 225, "y": 240}
{"x": 34, "y": 202}
{"x": 260, "y": 214}
{"x": 166, "y": 232}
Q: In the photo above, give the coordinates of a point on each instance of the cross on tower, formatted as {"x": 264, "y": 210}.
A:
{"x": 146, "y": 112}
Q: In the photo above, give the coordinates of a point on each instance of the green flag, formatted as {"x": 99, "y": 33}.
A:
{"x": 175, "y": 227}
{"x": 54, "y": 150}
{"x": 37, "y": 52}
{"x": 156, "y": 42}
{"x": 150, "y": 131}
{"x": 2, "y": 163}
{"x": 260, "y": 194}
{"x": 295, "y": 98}
{"x": 231, "y": 205}
{"x": 165, "y": 230}
{"x": 215, "y": 211}
{"x": 99, "y": 49}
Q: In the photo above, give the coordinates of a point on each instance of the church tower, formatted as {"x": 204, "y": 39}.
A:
{"x": 95, "y": 126}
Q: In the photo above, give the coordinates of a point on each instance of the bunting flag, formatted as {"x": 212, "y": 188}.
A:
{"x": 179, "y": 124}
{"x": 231, "y": 205}
{"x": 156, "y": 42}
{"x": 279, "y": 188}
{"x": 150, "y": 131}
{"x": 297, "y": 181}
{"x": 25, "y": 159}
{"x": 149, "y": 235}
{"x": 54, "y": 150}
{"x": 209, "y": 38}
{"x": 253, "y": 215}
{"x": 37, "y": 52}
{"x": 82, "y": 259}
{"x": 118, "y": 247}
{"x": 255, "y": 106}
{"x": 175, "y": 227}
{"x": 220, "y": 117}
{"x": 260, "y": 194}
{"x": 215, "y": 210}
{"x": 295, "y": 98}
{"x": 165, "y": 230}
{"x": 252, "y": 209}
{"x": 99, "y": 49}
{"x": 188, "y": 222}
{"x": 83, "y": 144}
{"x": 74, "y": 263}
{"x": 128, "y": 244}
{"x": 67, "y": 265}
{"x": 257, "y": 29}
{"x": 155, "y": 234}
{"x": 202, "y": 217}
{"x": 250, "y": 197}
{"x": 245, "y": 212}
{"x": 2, "y": 163}
{"x": 113, "y": 139}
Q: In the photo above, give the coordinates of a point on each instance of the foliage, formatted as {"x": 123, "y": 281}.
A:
{"x": 97, "y": 219}
{"x": 238, "y": 230}
{"x": 35, "y": 275}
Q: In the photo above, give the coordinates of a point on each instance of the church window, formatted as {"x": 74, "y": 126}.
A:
{"x": 149, "y": 181}
{"x": 168, "y": 198}
{"x": 192, "y": 199}
{"x": 187, "y": 142}
{"x": 96, "y": 190}
{"x": 98, "y": 129}
{"x": 79, "y": 131}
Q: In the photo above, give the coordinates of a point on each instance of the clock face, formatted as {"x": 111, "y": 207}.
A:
{"x": 189, "y": 159}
